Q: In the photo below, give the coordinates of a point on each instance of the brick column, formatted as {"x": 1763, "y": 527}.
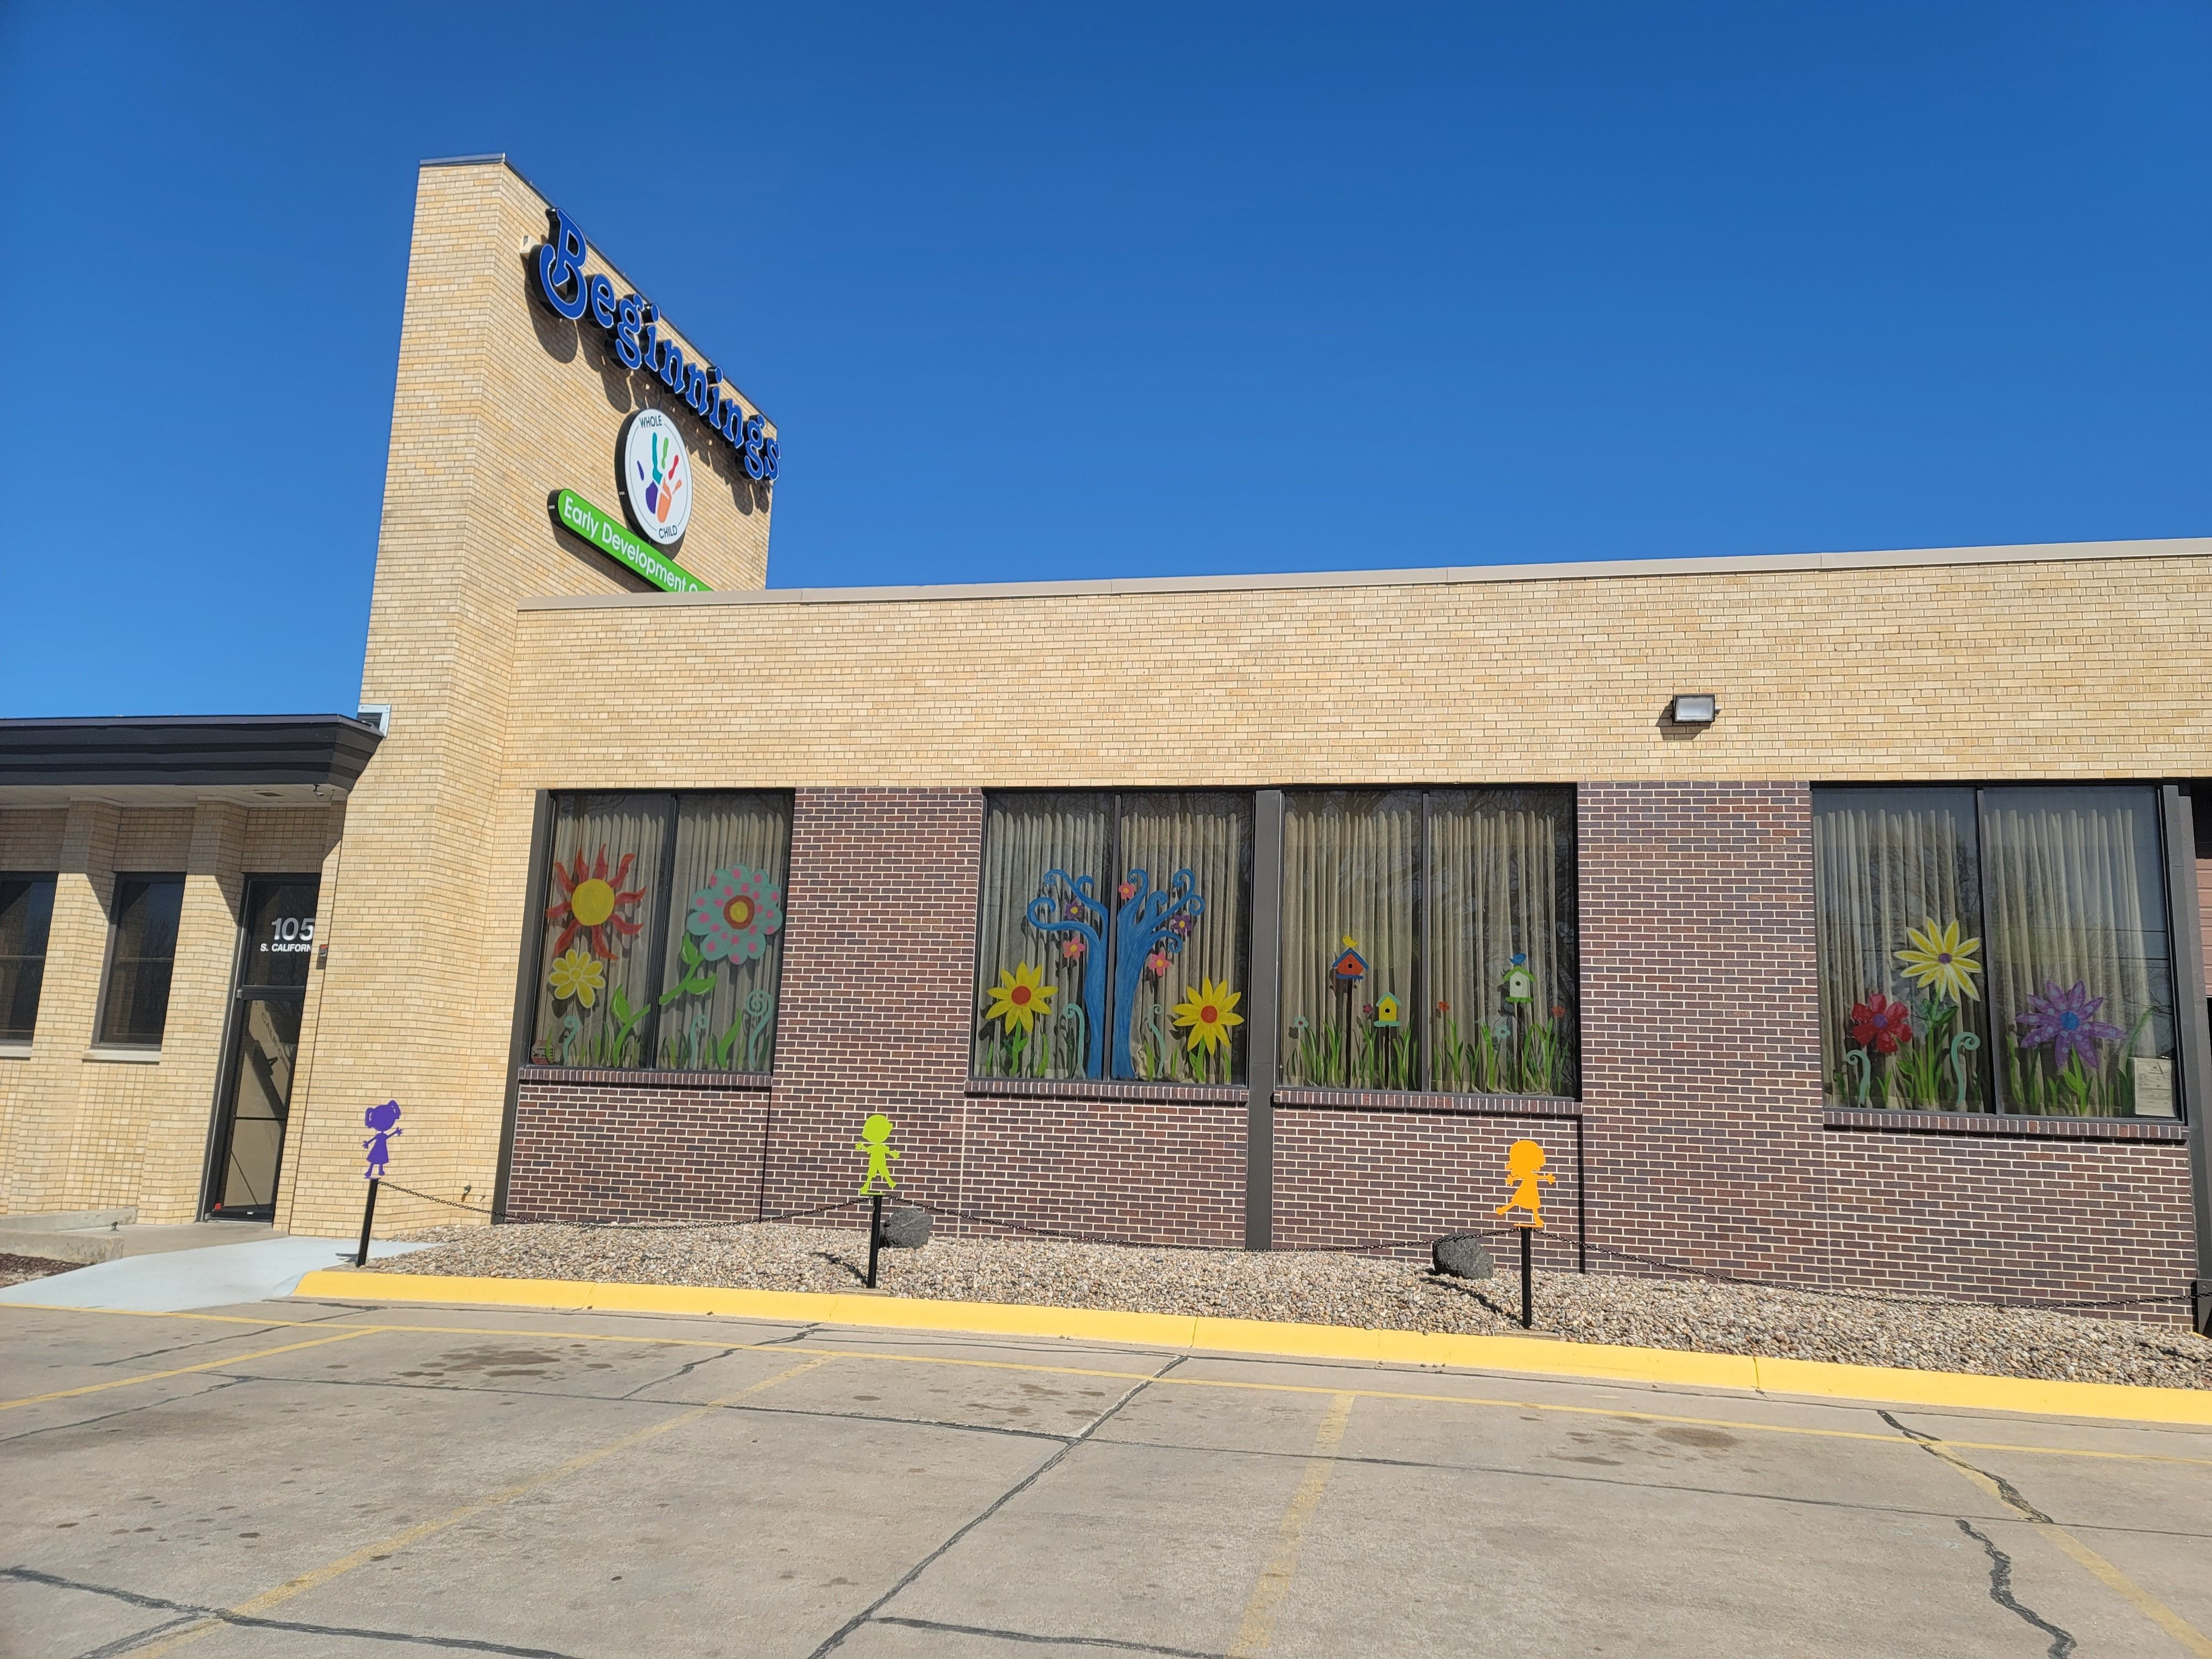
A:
{"x": 1701, "y": 1027}
{"x": 880, "y": 960}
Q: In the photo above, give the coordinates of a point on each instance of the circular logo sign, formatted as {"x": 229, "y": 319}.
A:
{"x": 654, "y": 473}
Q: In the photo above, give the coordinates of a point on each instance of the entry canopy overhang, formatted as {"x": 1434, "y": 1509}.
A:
{"x": 173, "y": 760}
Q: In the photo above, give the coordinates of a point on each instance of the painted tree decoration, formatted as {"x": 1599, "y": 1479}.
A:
{"x": 1146, "y": 922}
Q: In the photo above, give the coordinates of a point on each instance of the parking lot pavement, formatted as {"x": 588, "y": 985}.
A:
{"x": 305, "y": 1478}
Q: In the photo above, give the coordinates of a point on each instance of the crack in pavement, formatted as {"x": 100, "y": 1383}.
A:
{"x": 2192, "y": 1639}
{"x": 867, "y": 1614}
{"x": 188, "y": 1612}
{"x": 2061, "y": 1641}
{"x": 127, "y": 1411}
{"x": 1107, "y": 1642}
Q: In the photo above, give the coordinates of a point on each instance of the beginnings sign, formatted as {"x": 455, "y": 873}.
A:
{"x": 633, "y": 322}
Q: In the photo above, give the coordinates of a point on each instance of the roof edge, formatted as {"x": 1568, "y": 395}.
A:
{"x": 2180, "y": 547}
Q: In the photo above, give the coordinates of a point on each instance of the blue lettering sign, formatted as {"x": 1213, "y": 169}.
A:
{"x": 629, "y": 323}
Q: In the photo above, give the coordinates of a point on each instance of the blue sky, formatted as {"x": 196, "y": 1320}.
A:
{"x": 1048, "y": 291}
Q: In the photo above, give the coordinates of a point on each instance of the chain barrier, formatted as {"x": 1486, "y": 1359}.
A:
{"x": 1688, "y": 1270}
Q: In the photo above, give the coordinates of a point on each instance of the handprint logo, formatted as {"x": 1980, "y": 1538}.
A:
{"x": 657, "y": 472}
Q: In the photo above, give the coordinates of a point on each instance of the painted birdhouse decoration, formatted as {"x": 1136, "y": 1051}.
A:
{"x": 1520, "y": 984}
{"x": 1350, "y": 967}
{"x": 1385, "y": 1011}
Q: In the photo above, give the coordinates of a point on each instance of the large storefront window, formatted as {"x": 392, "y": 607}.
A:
{"x": 1429, "y": 941}
{"x": 663, "y": 932}
{"x": 1994, "y": 950}
{"x": 1112, "y": 936}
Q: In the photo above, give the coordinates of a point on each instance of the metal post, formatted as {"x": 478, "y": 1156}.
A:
{"x": 2193, "y": 1038}
{"x": 875, "y": 1234}
{"x": 367, "y": 1216}
{"x": 1527, "y": 1303}
{"x": 1263, "y": 1026}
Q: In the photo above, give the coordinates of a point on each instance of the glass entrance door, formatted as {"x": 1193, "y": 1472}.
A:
{"x": 265, "y": 1046}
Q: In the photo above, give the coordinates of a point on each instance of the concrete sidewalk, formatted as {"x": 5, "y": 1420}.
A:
{"x": 174, "y": 1280}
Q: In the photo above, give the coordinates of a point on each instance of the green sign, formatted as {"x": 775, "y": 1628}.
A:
{"x": 575, "y": 514}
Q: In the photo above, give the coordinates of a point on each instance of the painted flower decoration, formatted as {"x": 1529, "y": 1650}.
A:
{"x": 592, "y": 903}
{"x": 1070, "y": 949}
{"x": 1881, "y": 1024}
{"x": 2066, "y": 1020}
{"x": 1127, "y": 890}
{"x": 1206, "y": 1011}
{"x": 578, "y": 975}
{"x": 732, "y": 915}
{"x": 1157, "y": 964}
{"x": 1938, "y": 960}
{"x": 1443, "y": 1007}
{"x": 1020, "y": 998}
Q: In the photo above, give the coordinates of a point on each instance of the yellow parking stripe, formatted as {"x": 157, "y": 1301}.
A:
{"x": 1257, "y": 1629}
{"x": 183, "y": 1371}
{"x": 415, "y": 1534}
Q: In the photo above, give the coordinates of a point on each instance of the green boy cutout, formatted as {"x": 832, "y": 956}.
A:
{"x": 876, "y": 1141}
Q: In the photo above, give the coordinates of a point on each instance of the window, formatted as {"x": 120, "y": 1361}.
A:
{"x": 27, "y": 912}
{"x": 1430, "y": 941}
{"x": 135, "y": 1004}
{"x": 1994, "y": 950}
{"x": 663, "y": 943}
{"x": 1112, "y": 936}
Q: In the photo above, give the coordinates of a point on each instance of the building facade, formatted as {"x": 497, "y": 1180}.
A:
{"x": 1261, "y": 911}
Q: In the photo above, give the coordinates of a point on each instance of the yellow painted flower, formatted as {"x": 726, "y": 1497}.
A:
{"x": 1939, "y": 960}
{"x": 1020, "y": 997}
{"x": 578, "y": 974}
{"x": 1208, "y": 1012}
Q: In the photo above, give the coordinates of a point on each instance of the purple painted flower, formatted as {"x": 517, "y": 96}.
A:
{"x": 2066, "y": 1019}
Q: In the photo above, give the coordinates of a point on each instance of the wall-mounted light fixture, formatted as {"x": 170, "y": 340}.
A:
{"x": 1694, "y": 709}
{"x": 378, "y": 714}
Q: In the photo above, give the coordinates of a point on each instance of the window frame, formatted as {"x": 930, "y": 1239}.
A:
{"x": 121, "y": 879}
{"x": 654, "y": 944}
{"x": 1422, "y": 890}
{"x": 1241, "y": 1049}
{"x": 53, "y": 880}
{"x": 1992, "y": 1093}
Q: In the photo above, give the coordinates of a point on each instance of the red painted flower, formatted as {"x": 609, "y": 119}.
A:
{"x": 592, "y": 903}
{"x": 1881, "y": 1024}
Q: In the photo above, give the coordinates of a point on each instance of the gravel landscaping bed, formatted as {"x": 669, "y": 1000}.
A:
{"x": 14, "y": 1269}
{"x": 1344, "y": 1290}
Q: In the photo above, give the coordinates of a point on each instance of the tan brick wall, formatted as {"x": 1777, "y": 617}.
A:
{"x": 2063, "y": 669}
{"x": 498, "y": 402}
{"x": 2044, "y": 667}
{"x": 79, "y": 1131}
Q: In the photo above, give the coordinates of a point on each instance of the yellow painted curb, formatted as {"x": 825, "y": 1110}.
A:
{"x": 1538, "y": 1355}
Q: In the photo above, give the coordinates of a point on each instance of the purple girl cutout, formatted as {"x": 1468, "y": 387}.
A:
{"x": 381, "y": 1120}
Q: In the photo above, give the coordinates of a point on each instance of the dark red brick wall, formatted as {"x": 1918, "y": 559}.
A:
{"x": 614, "y": 1152}
{"x": 1987, "y": 1216}
{"x": 1404, "y": 1178}
{"x": 1701, "y": 1024}
{"x": 1704, "y": 1140}
{"x": 1166, "y": 1172}
{"x": 879, "y": 973}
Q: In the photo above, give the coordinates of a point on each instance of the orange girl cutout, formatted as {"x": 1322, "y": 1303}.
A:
{"x": 1524, "y": 1168}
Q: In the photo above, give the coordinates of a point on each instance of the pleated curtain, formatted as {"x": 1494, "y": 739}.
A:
{"x": 1025, "y": 837}
{"x": 570, "y": 1031}
{"x": 731, "y": 1026}
{"x": 2055, "y": 888}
